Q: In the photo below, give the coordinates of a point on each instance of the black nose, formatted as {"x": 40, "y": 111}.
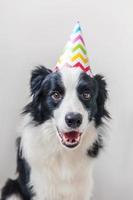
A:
{"x": 73, "y": 120}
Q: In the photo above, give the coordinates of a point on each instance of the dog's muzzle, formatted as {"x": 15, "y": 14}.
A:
{"x": 73, "y": 120}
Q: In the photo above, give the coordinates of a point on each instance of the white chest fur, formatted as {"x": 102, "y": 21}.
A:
{"x": 62, "y": 179}
{"x": 57, "y": 173}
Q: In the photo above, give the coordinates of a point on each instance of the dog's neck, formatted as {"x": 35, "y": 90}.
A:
{"x": 55, "y": 167}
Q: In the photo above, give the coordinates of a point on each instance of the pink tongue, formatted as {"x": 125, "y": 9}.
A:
{"x": 71, "y": 135}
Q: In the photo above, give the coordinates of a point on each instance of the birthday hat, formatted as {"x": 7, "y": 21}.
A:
{"x": 75, "y": 53}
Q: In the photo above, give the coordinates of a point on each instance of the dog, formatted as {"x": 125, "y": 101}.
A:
{"x": 60, "y": 136}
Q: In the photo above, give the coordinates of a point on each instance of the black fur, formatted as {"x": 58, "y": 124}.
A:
{"x": 11, "y": 187}
{"x": 37, "y": 77}
{"x": 88, "y": 84}
{"x": 96, "y": 105}
{"x": 20, "y": 185}
{"x": 101, "y": 99}
{"x": 98, "y": 96}
{"x": 96, "y": 146}
{"x": 43, "y": 83}
{"x": 23, "y": 171}
{"x": 100, "y": 114}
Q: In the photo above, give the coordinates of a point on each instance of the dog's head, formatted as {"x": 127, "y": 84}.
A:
{"x": 71, "y": 98}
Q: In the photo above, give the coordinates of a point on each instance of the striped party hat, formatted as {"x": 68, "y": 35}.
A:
{"x": 75, "y": 53}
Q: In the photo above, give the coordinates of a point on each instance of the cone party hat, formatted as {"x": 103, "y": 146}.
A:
{"x": 75, "y": 53}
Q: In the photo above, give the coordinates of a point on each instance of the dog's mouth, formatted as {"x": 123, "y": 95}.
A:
{"x": 70, "y": 139}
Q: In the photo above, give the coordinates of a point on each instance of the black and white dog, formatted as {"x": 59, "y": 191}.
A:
{"x": 60, "y": 136}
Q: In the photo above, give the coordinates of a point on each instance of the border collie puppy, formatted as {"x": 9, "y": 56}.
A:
{"x": 60, "y": 136}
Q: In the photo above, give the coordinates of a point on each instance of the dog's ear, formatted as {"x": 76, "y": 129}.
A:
{"x": 36, "y": 107}
{"x": 37, "y": 77}
{"x": 101, "y": 99}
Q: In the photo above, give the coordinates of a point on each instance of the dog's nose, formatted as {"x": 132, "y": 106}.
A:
{"x": 73, "y": 120}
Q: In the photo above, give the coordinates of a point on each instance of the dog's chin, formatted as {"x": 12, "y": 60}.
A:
{"x": 70, "y": 139}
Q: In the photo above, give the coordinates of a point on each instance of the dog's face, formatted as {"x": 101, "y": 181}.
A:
{"x": 75, "y": 93}
{"x": 71, "y": 98}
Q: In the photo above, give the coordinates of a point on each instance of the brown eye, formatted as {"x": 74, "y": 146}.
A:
{"x": 86, "y": 95}
{"x": 56, "y": 96}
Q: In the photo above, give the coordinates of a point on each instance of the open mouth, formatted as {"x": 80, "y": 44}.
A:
{"x": 70, "y": 139}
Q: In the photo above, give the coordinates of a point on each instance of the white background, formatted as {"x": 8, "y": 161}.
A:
{"x": 34, "y": 32}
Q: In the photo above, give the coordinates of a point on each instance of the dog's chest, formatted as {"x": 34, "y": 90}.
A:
{"x": 62, "y": 177}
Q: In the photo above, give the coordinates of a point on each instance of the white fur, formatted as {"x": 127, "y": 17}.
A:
{"x": 59, "y": 173}
{"x": 71, "y": 102}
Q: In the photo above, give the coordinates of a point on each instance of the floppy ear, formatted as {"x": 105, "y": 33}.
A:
{"x": 36, "y": 107}
{"x": 101, "y": 99}
{"x": 37, "y": 77}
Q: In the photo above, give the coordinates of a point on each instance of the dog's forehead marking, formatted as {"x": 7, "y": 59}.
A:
{"x": 70, "y": 77}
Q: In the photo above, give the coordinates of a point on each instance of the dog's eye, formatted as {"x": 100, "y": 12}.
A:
{"x": 56, "y": 96}
{"x": 86, "y": 95}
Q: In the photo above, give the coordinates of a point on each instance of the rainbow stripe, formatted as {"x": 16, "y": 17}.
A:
{"x": 75, "y": 53}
